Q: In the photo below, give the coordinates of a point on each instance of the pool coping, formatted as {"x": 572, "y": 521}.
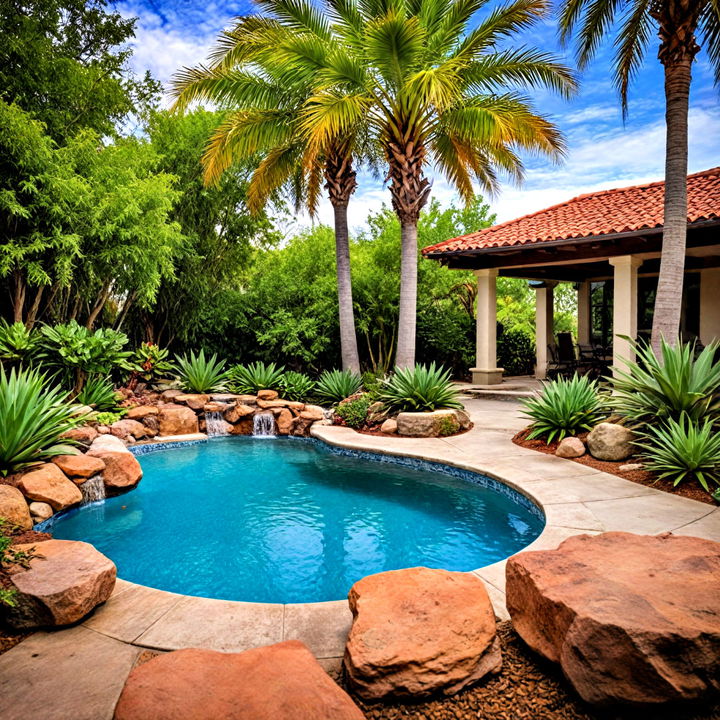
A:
{"x": 588, "y": 501}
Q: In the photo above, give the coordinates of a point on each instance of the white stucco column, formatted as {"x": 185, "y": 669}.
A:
{"x": 486, "y": 371}
{"x": 544, "y": 327}
{"x": 583, "y": 313}
{"x": 709, "y": 305}
{"x": 624, "y": 307}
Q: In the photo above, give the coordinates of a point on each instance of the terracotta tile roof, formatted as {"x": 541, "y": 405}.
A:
{"x": 619, "y": 210}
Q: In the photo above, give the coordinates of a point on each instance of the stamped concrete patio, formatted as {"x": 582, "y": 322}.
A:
{"x": 78, "y": 673}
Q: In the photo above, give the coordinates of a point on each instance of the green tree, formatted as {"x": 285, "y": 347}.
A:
{"x": 678, "y": 24}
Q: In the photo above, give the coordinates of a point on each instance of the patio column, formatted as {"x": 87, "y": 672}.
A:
{"x": 583, "y": 313}
{"x": 709, "y": 305}
{"x": 624, "y": 306}
{"x": 486, "y": 371}
{"x": 544, "y": 327}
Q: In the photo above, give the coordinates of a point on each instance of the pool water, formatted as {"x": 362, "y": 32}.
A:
{"x": 285, "y": 521}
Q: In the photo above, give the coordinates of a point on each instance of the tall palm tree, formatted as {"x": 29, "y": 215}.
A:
{"x": 677, "y": 23}
{"x": 264, "y": 91}
{"x": 432, "y": 88}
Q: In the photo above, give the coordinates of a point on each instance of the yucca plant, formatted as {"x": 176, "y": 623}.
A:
{"x": 676, "y": 383}
{"x": 99, "y": 393}
{"x": 33, "y": 416}
{"x": 296, "y": 386}
{"x": 419, "y": 389}
{"x": 200, "y": 374}
{"x": 336, "y": 385}
{"x": 683, "y": 450}
{"x": 255, "y": 376}
{"x": 17, "y": 343}
{"x": 564, "y": 407}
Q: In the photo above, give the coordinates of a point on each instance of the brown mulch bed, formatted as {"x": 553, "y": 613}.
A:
{"x": 642, "y": 477}
{"x": 527, "y": 688}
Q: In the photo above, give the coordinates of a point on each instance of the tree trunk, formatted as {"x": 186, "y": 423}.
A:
{"x": 348, "y": 338}
{"x": 99, "y": 305}
{"x": 19, "y": 297}
{"x": 405, "y": 356}
{"x": 34, "y": 308}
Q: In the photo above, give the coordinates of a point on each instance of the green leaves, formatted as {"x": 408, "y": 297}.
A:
{"x": 17, "y": 343}
{"x": 33, "y": 416}
{"x": 336, "y": 385}
{"x": 419, "y": 389}
{"x": 99, "y": 394}
{"x": 563, "y": 408}
{"x": 255, "y": 376}
{"x": 201, "y": 375}
{"x": 296, "y": 386}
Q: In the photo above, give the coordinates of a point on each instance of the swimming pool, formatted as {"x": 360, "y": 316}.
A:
{"x": 290, "y": 520}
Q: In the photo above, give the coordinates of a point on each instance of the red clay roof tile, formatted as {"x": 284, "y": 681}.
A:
{"x": 605, "y": 212}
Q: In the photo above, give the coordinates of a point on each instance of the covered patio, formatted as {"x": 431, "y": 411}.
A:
{"x": 608, "y": 245}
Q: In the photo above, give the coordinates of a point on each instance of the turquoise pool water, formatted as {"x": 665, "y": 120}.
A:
{"x": 283, "y": 520}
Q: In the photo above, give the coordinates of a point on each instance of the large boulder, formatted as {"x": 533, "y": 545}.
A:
{"x": 14, "y": 508}
{"x": 40, "y": 511}
{"x": 285, "y": 421}
{"x": 83, "y": 435}
{"x": 79, "y": 467}
{"x": 267, "y": 395}
{"x": 266, "y": 683}
{"x": 142, "y": 411}
{"x": 238, "y": 411}
{"x": 50, "y": 485}
{"x": 122, "y": 470}
{"x": 195, "y": 401}
{"x": 177, "y": 420}
{"x": 630, "y": 618}
{"x": 64, "y": 582}
{"x": 126, "y": 428}
{"x": 312, "y": 412}
{"x": 570, "y": 447}
{"x": 609, "y": 441}
{"x": 418, "y": 632}
{"x": 432, "y": 424}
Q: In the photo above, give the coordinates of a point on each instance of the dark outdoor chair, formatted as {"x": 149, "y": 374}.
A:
{"x": 556, "y": 366}
{"x": 566, "y": 351}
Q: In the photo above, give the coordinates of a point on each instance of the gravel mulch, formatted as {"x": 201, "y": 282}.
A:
{"x": 527, "y": 688}
{"x": 642, "y": 477}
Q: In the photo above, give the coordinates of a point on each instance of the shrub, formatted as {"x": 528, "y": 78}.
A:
{"x": 373, "y": 382}
{"x": 200, "y": 374}
{"x": 149, "y": 362}
{"x": 33, "y": 416}
{"x": 662, "y": 388}
{"x": 681, "y": 450}
{"x": 98, "y": 393}
{"x": 336, "y": 385}
{"x": 296, "y": 386}
{"x": 447, "y": 426}
{"x": 108, "y": 418}
{"x": 17, "y": 344}
{"x": 564, "y": 407}
{"x": 254, "y": 377}
{"x": 354, "y": 412}
{"x": 516, "y": 352}
{"x": 419, "y": 389}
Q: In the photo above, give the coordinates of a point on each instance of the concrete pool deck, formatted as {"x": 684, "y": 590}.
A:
{"x": 79, "y": 672}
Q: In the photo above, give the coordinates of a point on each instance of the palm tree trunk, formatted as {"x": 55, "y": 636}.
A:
{"x": 666, "y": 318}
{"x": 348, "y": 338}
{"x": 405, "y": 356}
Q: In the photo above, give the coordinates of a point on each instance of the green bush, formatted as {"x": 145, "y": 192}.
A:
{"x": 149, "y": 362}
{"x": 296, "y": 386}
{"x": 354, "y": 412}
{"x": 108, "y": 418}
{"x": 33, "y": 416}
{"x": 419, "y": 389}
{"x": 99, "y": 394}
{"x": 682, "y": 450}
{"x": 564, "y": 407}
{"x": 447, "y": 426}
{"x": 254, "y": 377}
{"x": 662, "y": 388}
{"x": 516, "y": 352}
{"x": 200, "y": 374}
{"x": 336, "y": 385}
{"x": 18, "y": 345}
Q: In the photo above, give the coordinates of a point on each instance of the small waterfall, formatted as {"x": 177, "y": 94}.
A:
{"x": 93, "y": 490}
{"x": 264, "y": 425}
{"x": 215, "y": 424}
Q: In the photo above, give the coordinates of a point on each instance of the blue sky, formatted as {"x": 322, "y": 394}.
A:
{"x": 603, "y": 151}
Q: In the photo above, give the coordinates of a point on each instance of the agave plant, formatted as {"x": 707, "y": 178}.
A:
{"x": 419, "y": 389}
{"x": 200, "y": 374}
{"x": 563, "y": 408}
{"x": 99, "y": 393}
{"x": 682, "y": 450}
{"x": 255, "y": 376}
{"x": 33, "y": 416}
{"x": 674, "y": 384}
{"x": 17, "y": 343}
{"x": 336, "y": 385}
{"x": 296, "y": 386}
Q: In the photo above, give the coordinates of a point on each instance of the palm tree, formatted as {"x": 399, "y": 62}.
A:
{"x": 431, "y": 89}
{"x": 677, "y": 23}
{"x": 265, "y": 92}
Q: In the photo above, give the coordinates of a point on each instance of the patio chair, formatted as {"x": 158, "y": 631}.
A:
{"x": 556, "y": 366}
{"x": 566, "y": 351}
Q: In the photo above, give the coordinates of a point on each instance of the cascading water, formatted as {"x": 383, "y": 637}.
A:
{"x": 93, "y": 490}
{"x": 264, "y": 425}
{"x": 215, "y": 424}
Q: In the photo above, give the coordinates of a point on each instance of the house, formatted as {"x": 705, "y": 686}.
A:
{"x": 608, "y": 244}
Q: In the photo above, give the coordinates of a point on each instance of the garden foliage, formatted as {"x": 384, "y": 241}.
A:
{"x": 419, "y": 389}
{"x": 254, "y": 377}
{"x": 336, "y": 385}
{"x": 199, "y": 374}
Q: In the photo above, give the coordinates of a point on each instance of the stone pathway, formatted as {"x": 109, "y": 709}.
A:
{"x": 79, "y": 673}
